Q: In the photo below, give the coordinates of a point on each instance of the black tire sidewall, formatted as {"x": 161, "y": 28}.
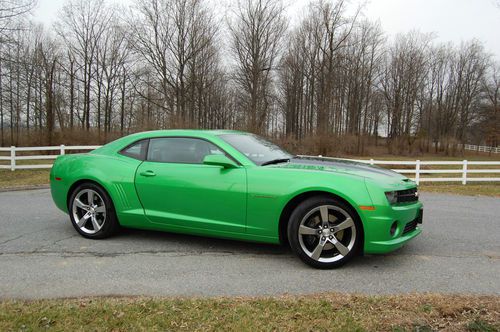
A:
{"x": 294, "y": 223}
{"x": 111, "y": 223}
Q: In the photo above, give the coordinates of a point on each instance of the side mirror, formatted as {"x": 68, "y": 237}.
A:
{"x": 219, "y": 160}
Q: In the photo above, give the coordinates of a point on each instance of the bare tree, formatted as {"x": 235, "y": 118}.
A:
{"x": 10, "y": 11}
{"x": 489, "y": 124}
{"x": 171, "y": 37}
{"x": 402, "y": 82}
{"x": 257, "y": 34}
{"x": 83, "y": 23}
{"x": 333, "y": 81}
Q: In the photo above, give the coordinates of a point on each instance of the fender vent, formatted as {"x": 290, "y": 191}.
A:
{"x": 122, "y": 195}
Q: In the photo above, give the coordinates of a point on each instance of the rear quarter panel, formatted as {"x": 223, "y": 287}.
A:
{"x": 114, "y": 173}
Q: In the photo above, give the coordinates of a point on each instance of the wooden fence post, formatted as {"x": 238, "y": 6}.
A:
{"x": 417, "y": 172}
{"x": 464, "y": 173}
{"x": 12, "y": 158}
{"x": 62, "y": 149}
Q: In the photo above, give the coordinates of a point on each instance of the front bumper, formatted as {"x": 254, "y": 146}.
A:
{"x": 377, "y": 225}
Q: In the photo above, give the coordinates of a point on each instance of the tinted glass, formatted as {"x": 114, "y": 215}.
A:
{"x": 136, "y": 150}
{"x": 255, "y": 148}
{"x": 180, "y": 150}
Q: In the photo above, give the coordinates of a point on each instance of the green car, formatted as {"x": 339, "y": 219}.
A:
{"x": 236, "y": 185}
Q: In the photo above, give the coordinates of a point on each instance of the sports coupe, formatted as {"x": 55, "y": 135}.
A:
{"x": 236, "y": 185}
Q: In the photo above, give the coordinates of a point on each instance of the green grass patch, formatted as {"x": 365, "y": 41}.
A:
{"x": 335, "y": 312}
{"x": 479, "y": 325}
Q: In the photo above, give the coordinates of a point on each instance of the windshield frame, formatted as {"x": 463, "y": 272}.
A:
{"x": 284, "y": 154}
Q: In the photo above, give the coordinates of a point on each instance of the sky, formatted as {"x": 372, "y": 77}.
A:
{"x": 449, "y": 20}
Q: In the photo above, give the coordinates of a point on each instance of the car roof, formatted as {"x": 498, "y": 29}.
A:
{"x": 129, "y": 139}
{"x": 189, "y": 132}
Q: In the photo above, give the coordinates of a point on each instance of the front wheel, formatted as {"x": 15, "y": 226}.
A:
{"x": 324, "y": 232}
{"x": 92, "y": 212}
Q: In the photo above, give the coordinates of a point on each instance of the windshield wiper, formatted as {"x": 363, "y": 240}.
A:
{"x": 275, "y": 161}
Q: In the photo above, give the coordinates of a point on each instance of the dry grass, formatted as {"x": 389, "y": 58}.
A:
{"x": 24, "y": 177}
{"x": 333, "y": 312}
{"x": 485, "y": 189}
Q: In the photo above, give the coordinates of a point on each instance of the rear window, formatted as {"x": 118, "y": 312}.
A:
{"x": 137, "y": 150}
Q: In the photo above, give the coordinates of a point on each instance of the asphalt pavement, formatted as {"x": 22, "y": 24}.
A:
{"x": 42, "y": 256}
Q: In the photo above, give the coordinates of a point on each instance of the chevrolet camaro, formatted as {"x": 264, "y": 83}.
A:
{"x": 236, "y": 185}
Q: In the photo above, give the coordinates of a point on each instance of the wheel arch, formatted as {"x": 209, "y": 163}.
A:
{"x": 81, "y": 181}
{"x": 299, "y": 198}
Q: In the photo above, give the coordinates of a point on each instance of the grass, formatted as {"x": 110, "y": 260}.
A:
{"x": 475, "y": 189}
{"x": 334, "y": 312}
{"x": 24, "y": 177}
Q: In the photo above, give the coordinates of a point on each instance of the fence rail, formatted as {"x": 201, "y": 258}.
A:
{"x": 418, "y": 170}
{"x": 61, "y": 149}
{"x": 421, "y": 168}
{"x": 481, "y": 148}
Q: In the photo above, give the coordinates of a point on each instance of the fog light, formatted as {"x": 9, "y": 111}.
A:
{"x": 394, "y": 227}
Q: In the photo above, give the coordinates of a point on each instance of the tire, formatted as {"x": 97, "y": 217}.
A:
{"x": 324, "y": 247}
{"x": 93, "y": 221}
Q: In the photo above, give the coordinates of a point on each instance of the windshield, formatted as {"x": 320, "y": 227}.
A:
{"x": 256, "y": 148}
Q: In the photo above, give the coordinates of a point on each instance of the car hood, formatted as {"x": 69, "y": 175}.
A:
{"x": 344, "y": 166}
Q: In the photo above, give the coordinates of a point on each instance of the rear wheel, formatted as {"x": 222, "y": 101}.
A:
{"x": 324, "y": 232}
{"x": 92, "y": 212}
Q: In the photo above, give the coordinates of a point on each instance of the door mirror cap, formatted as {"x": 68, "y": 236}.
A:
{"x": 219, "y": 160}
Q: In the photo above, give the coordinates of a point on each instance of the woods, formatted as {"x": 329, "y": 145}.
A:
{"x": 332, "y": 78}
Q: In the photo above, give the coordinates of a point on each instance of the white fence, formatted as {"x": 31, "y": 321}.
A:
{"x": 15, "y": 156}
{"x": 481, "y": 148}
{"x": 417, "y": 170}
{"x": 420, "y": 168}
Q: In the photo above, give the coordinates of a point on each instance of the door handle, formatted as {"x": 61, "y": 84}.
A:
{"x": 147, "y": 173}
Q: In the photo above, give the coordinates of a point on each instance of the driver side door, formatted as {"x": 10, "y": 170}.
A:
{"x": 176, "y": 189}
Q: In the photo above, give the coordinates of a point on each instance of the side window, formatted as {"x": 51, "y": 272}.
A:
{"x": 180, "y": 150}
{"x": 137, "y": 150}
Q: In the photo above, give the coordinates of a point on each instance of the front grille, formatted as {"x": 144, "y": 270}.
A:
{"x": 408, "y": 195}
{"x": 411, "y": 226}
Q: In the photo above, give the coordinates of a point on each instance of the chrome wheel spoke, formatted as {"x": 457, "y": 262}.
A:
{"x": 348, "y": 223}
{"x": 304, "y": 230}
{"x": 90, "y": 197}
{"x": 343, "y": 250}
{"x": 324, "y": 215}
{"x": 81, "y": 205}
{"x": 83, "y": 220}
{"x": 100, "y": 209}
{"x": 95, "y": 224}
{"x": 316, "y": 254}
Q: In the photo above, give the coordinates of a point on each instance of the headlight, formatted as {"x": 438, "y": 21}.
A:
{"x": 392, "y": 197}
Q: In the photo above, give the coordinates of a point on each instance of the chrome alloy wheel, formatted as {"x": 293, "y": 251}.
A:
{"x": 327, "y": 233}
{"x": 89, "y": 211}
